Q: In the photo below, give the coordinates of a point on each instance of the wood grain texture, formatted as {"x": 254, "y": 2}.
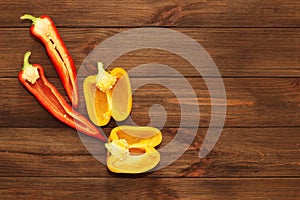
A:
{"x": 240, "y": 152}
{"x": 187, "y": 13}
{"x": 239, "y": 52}
{"x": 256, "y": 46}
{"x": 251, "y": 102}
{"x": 166, "y": 188}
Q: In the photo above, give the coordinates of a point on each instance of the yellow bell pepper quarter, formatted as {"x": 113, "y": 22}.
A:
{"x": 107, "y": 95}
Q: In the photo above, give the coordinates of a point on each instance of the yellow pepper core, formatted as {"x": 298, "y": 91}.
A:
{"x": 118, "y": 149}
{"x": 104, "y": 80}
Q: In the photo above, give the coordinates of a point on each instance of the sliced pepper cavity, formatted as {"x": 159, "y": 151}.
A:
{"x": 137, "y": 135}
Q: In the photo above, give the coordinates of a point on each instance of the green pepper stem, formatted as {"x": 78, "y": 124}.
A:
{"x": 30, "y": 17}
{"x": 26, "y": 60}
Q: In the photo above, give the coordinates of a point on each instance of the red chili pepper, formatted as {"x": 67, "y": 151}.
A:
{"x": 33, "y": 78}
{"x": 44, "y": 29}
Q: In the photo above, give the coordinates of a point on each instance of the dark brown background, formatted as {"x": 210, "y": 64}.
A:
{"x": 255, "y": 44}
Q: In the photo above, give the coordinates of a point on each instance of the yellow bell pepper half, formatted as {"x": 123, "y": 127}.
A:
{"x": 131, "y": 149}
{"x": 107, "y": 95}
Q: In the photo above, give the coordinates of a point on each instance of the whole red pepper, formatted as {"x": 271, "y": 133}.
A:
{"x": 44, "y": 29}
{"x": 33, "y": 78}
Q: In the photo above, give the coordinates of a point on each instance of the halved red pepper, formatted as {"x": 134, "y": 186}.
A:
{"x": 44, "y": 29}
{"x": 33, "y": 78}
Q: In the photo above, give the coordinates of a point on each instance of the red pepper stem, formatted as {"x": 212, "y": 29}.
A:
{"x": 30, "y": 17}
{"x": 26, "y": 60}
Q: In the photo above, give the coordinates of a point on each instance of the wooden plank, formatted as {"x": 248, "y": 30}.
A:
{"x": 251, "y": 102}
{"x": 240, "y": 152}
{"x": 237, "y": 52}
{"x": 186, "y": 13}
{"x": 148, "y": 188}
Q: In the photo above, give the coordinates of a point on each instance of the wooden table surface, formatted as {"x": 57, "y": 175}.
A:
{"x": 256, "y": 46}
